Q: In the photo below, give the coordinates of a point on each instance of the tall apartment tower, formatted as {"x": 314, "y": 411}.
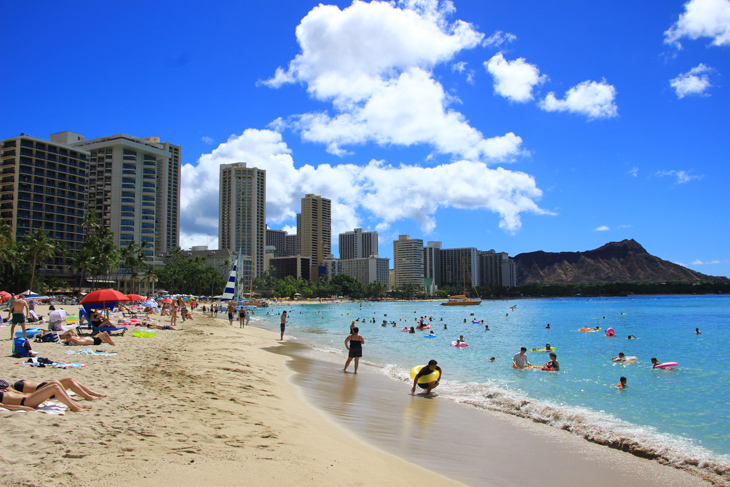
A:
{"x": 44, "y": 185}
{"x": 459, "y": 267}
{"x": 276, "y": 239}
{"x": 408, "y": 261}
{"x": 432, "y": 262}
{"x": 358, "y": 244}
{"x": 316, "y": 230}
{"x": 242, "y": 215}
{"x": 497, "y": 269}
{"x": 134, "y": 187}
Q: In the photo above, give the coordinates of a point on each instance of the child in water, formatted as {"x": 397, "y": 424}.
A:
{"x": 622, "y": 383}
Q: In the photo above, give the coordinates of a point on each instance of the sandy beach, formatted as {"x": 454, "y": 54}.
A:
{"x": 216, "y": 403}
{"x": 198, "y": 407}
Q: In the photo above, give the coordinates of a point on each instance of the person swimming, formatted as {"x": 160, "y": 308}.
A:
{"x": 622, "y": 383}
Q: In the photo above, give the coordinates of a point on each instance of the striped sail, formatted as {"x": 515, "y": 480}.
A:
{"x": 230, "y": 291}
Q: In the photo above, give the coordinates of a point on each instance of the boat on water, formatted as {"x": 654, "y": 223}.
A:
{"x": 230, "y": 292}
{"x": 461, "y": 300}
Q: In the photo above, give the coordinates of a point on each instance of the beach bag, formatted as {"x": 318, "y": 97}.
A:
{"x": 48, "y": 337}
{"x": 21, "y": 347}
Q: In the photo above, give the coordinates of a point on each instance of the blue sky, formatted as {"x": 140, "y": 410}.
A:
{"x": 498, "y": 125}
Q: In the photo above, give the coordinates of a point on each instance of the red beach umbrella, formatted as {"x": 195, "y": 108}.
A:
{"x": 4, "y": 296}
{"x": 103, "y": 296}
{"x": 166, "y": 300}
{"x": 135, "y": 297}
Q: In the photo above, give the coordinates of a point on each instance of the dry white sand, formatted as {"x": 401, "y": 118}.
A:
{"x": 202, "y": 406}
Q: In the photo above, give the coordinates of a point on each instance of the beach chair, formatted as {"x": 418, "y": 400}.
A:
{"x": 108, "y": 329}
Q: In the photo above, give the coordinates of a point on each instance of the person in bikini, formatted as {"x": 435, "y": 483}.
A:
{"x": 29, "y": 387}
{"x": 98, "y": 339}
{"x": 155, "y": 326}
{"x": 16, "y": 401}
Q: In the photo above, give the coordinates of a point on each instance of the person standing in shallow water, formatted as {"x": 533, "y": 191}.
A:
{"x": 283, "y": 324}
{"x": 354, "y": 343}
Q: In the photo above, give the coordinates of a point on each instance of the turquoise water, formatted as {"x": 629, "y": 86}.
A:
{"x": 681, "y": 414}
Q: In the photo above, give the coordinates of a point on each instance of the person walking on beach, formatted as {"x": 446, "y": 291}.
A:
{"x": 432, "y": 366}
{"x": 19, "y": 311}
{"x": 173, "y": 314}
{"x": 520, "y": 359}
{"x": 283, "y": 324}
{"x": 354, "y": 343}
{"x": 241, "y": 317}
{"x": 231, "y": 311}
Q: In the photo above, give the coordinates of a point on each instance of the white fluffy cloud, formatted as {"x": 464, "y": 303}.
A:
{"x": 700, "y": 262}
{"x": 693, "y": 82}
{"x": 386, "y": 192}
{"x": 602, "y": 228}
{"x": 514, "y": 80}
{"x": 207, "y": 140}
{"x": 373, "y": 62}
{"x": 595, "y": 100}
{"x": 702, "y": 18}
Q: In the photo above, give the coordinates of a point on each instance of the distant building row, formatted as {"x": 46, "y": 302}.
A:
{"x": 433, "y": 266}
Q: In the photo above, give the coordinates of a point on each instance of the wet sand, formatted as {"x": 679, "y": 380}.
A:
{"x": 203, "y": 406}
{"x": 461, "y": 442}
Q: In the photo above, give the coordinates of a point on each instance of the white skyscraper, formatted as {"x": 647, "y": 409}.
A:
{"x": 408, "y": 261}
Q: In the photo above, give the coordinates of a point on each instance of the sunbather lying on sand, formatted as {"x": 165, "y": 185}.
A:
{"x": 28, "y": 387}
{"x": 15, "y": 401}
{"x": 155, "y": 326}
{"x": 97, "y": 339}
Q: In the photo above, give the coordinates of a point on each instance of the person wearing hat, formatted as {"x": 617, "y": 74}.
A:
{"x": 429, "y": 386}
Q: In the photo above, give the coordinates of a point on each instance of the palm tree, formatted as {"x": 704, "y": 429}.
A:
{"x": 149, "y": 277}
{"x": 38, "y": 246}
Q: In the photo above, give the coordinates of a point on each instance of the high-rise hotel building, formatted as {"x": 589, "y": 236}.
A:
{"x": 316, "y": 231}
{"x": 242, "y": 215}
{"x": 358, "y": 244}
{"x": 43, "y": 185}
{"x": 134, "y": 187}
{"x": 408, "y": 261}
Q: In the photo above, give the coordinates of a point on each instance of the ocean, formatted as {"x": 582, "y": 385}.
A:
{"x": 678, "y": 415}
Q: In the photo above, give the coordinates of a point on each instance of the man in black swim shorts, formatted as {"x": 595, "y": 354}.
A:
{"x": 429, "y": 386}
{"x": 283, "y": 324}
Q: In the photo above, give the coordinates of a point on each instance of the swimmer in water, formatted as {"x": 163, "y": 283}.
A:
{"x": 547, "y": 347}
{"x": 654, "y": 362}
{"x": 491, "y": 359}
{"x": 486, "y": 327}
{"x": 697, "y": 331}
{"x": 548, "y": 326}
{"x": 445, "y": 328}
{"x": 412, "y": 330}
{"x": 622, "y": 383}
{"x": 621, "y": 358}
{"x": 632, "y": 337}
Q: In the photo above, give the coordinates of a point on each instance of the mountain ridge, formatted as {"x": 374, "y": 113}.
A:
{"x": 624, "y": 261}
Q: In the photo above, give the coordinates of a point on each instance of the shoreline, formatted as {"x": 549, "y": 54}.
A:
{"x": 216, "y": 403}
{"x": 443, "y": 436}
{"x": 190, "y": 407}
{"x": 712, "y": 473}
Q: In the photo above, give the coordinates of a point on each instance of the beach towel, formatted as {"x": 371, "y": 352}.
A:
{"x": 88, "y": 351}
{"x": 47, "y": 407}
{"x": 44, "y": 362}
